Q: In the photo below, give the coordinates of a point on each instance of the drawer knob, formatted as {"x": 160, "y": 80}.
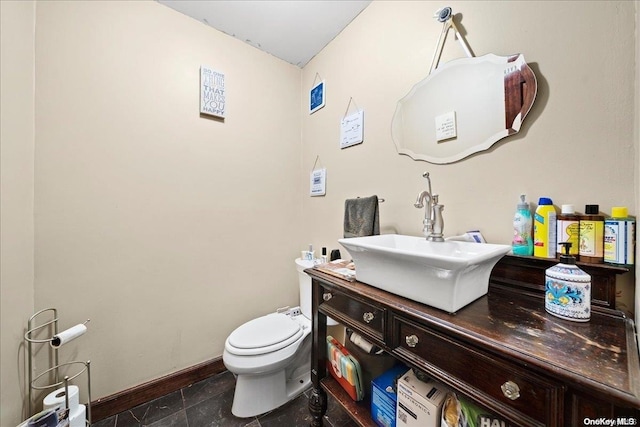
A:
{"x": 510, "y": 390}
{"x": 327, "y": 296}
{"x": 368, "y": 317}
{"x": 411, "y": 340}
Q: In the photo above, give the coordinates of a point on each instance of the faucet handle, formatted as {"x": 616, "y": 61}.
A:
{"x": 435, "y": 199}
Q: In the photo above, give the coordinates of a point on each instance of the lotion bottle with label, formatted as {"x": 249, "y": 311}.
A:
{"x": 544, "y": 229}
{"x": 568, "y": 226}
{"x": 592, "y": 235}
{"x": 522, "y": 243}
{"x": 619, "y": 237}
{"x": 568, "y": 289}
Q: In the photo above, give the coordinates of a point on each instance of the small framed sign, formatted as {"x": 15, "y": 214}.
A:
{"x": 351, "y": 129}
{"x": 318, "y": 182}
{"x": 212, "y": 92}
{"x": 316, "y": 97}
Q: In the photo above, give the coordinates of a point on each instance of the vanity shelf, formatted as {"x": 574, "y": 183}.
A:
{"x": 359, "y": 411}
{"x": 526, "y": 274}
{"x": 565, "y": 371}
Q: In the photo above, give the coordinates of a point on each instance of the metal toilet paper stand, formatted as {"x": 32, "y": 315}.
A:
{"x": 55, "y": 369}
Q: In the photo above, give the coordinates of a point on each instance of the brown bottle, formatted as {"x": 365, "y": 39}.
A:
{"x": 591, "y": 235}
{"x": 568, "y": 230}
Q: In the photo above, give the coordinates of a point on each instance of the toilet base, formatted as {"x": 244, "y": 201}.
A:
{"x": 257, "y": 394}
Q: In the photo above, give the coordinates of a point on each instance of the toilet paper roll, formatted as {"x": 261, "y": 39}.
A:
{"x": 68, "y": 335}
{"x": 365, "y": 345}
{"x": 56, "y": 399}
{"x": 78, "y": 417}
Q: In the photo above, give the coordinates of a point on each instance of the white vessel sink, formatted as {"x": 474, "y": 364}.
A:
{"x": 446, "y": 275}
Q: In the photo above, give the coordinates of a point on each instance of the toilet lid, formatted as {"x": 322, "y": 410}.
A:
{"x": 265, "y": 334}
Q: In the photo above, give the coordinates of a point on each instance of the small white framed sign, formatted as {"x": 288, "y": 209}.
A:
{"x": 212, "y": 92}
{"x": 318, "y": 182}
{"x": 317, "y": 96}
{"x": 352, "y": 129}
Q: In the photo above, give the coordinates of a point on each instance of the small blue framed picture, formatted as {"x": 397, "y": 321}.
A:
{"x": 316, "y": 97}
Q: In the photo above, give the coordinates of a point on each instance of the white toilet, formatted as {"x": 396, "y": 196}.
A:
{"x": 271, "y": 355}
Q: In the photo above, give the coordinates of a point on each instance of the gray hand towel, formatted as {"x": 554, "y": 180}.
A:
{"x": 361, "y": 217}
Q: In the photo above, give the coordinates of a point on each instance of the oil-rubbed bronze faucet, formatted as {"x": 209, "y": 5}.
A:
{"x": 433, "y": 221}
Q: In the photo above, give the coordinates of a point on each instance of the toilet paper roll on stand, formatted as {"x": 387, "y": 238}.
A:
{"x": 57, "y": 399}
{"x": 68, "y": 335}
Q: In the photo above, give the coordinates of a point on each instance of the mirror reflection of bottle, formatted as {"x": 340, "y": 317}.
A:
{"x": 591, "y": 235}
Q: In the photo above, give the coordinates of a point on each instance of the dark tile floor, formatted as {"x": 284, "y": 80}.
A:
{"x": 208, "y": 404}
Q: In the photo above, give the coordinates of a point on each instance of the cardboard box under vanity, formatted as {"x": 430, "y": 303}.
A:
{"x": 384, "y": 396}
{"x": 419, "y": 402}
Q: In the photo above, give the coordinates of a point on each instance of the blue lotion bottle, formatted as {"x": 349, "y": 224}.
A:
{"x": 522, "y": 243}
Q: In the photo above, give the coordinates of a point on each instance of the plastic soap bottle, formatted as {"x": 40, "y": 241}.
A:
{"x": 591, "y": 235}
{"x": 568, "y": 229}
{"x": 522, "y": 243}
{"x": 619, "y": 237}
{"x": 568, "y": 289}
{"x": 544, "y": 229}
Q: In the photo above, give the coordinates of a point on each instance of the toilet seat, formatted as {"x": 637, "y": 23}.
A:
{"x": 263, "y": 335}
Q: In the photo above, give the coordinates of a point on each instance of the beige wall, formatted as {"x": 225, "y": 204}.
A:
{"x": 577, "y": 144}
{"x": 637, "y": 145}
{"x": 160, "y": 225}
{"x": 166, "y": 229}
{"x": 16, "y": 199}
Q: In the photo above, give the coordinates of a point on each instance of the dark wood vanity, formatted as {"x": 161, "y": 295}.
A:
{"x": 503, "y": 351}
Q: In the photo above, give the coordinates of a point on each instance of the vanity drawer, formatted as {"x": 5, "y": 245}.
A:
{"x": 517, "y": 390}
{"x": 354, "y": 312}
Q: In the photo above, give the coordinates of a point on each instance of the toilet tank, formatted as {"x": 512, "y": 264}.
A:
{"x": 304, "y": 281}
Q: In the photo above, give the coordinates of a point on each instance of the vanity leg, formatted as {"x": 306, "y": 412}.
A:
{"x": 318, "y": 397}
{"x": 317, "y": 406}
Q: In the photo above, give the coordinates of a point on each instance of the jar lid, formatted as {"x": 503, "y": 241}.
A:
{"x": 568, "y": 209}
{"x": 619, "y": 212}
{"x": 592, "y": 209}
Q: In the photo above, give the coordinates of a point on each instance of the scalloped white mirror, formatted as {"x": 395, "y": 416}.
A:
{"x": 463, "y": 107}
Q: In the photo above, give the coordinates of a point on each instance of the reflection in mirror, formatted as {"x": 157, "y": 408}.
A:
{"x": 463, "y": 107}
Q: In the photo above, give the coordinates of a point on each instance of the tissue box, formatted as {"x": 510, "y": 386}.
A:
{"x": 419, "y": 402}
{"x": 384, "y": 396}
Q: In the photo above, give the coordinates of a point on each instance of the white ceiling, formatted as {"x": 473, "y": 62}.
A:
{"x": 294, "y": 30}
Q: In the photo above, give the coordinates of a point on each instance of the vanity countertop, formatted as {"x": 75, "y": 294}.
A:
{"x": 597, "y": 356}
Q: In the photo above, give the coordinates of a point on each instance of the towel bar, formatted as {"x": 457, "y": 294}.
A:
{"x": 380, "y": 200}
